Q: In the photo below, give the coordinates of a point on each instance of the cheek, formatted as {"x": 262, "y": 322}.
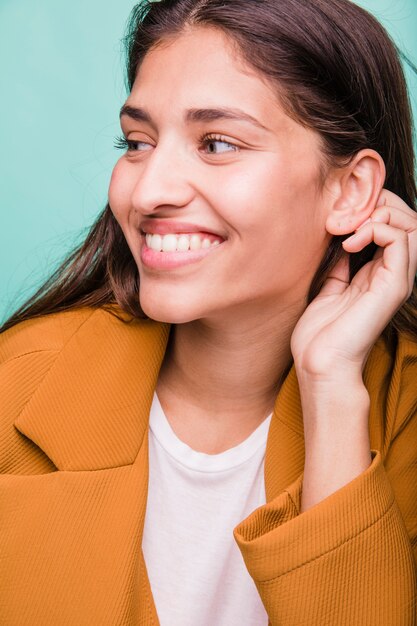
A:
{"x": 120, "y": 191}
{"x": 273, "y": 198}
{"x": 284, "y": 221}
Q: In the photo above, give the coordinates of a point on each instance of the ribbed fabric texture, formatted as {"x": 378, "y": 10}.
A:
{"x": 355, "y": 542}
{"x": 75, "y": 394}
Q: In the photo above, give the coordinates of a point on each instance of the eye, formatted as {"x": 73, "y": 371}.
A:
{"x": 207, "y": 141}
{"x": 210, "y": 142}
{"x": 121, "y": 143}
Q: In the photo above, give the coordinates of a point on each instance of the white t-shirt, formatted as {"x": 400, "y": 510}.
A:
{"x": 196, "y": 571}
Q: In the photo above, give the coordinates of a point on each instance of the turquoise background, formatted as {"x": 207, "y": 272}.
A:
{"x": 62, "y": 87}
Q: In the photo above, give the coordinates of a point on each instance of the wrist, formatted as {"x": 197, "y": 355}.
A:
{"x": 330, "y": 368}
{"x": 330, "y": 373}
{"x": 337, "y": 444}
{"x": 334, "y": 387}
{"x": 331, "y": 409}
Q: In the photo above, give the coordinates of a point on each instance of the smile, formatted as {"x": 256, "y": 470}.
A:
{"x": 171, "y": 251}
{"x": 172, "y": 242}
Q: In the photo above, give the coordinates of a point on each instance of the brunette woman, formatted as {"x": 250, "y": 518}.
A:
{"x": 209, "y": 412}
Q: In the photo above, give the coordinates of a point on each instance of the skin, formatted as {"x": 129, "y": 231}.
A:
{"x": 244, "y": 306}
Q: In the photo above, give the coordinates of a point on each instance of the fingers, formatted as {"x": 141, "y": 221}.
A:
{"x": 396, "y": 253}
{"x": 404, "y": 218}
{"x": 392, "y": 211}
{"x": 387, "y": 198}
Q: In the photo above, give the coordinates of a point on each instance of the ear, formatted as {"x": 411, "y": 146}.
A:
{"x": 355, "y": 190}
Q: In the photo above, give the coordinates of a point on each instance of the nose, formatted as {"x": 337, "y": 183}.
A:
{"x": 164, "y": 179}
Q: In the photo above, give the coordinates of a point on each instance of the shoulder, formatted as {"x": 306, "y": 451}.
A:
{"x": 47, "y": 333}
{"x": 28, "y": 351}
{"x": 52, "y": 333}
{"x": 58, "y": 356}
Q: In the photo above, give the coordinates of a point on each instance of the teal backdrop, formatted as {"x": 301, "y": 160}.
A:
{"x": 62, "y": 87}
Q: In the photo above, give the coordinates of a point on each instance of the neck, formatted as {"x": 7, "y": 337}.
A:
{"x": 226, "y": 374}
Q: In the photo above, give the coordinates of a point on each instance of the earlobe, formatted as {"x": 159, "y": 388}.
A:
{"x": 358, "y": 187}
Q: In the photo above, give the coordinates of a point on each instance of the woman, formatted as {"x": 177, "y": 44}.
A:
{"x": 248, "y": 293}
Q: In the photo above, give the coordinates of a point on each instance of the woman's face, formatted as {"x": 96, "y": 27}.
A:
{"x": 211, "y": 147}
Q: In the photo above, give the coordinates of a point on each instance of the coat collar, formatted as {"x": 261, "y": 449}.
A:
{"x": 91, "y": 410}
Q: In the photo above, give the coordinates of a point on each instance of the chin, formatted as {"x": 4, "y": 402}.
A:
{"x": 168, "y": 312}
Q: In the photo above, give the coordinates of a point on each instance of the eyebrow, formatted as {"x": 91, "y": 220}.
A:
{"x": 196, "y": 115}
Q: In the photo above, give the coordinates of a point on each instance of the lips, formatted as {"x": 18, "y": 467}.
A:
{"x": 158, "y": 260}
{"x": 165, "y": 227}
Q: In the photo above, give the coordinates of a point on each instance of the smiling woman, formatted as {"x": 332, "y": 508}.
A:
{"x": 184, "y": 160}
{"x": 234, "y": 345}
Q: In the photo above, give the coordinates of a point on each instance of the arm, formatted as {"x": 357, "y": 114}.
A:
{"x": 336, "y": 547}
{"x": 336, "y": 436}
{"x": 348, "y": 559}
{"x": 333, "y": 339}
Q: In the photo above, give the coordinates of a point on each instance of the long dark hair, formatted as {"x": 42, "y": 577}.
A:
{"x": 337, "y": 72}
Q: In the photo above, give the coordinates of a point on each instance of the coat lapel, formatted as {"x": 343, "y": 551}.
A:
{"x": 90, "y": 413}
{"x": 91, "y": 410}
{"x": 284, "y": 456}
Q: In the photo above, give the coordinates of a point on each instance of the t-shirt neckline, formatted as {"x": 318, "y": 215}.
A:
{"x": 200, "y": 461}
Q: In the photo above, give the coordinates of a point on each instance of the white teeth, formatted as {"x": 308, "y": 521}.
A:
{"x": 169, "y": 243}
{"x": 183, "y": 243}
{"x": 195, "y": 242}
{"x": 180, "y": 243}
{"x": 156, "y": 243}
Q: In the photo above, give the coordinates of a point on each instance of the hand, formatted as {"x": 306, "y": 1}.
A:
{"x": 338, "y": 329}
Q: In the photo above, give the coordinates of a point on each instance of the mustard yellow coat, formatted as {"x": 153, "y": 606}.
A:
{"x": 75, "y": 394}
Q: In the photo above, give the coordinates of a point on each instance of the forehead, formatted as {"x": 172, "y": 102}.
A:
{"x": 202, "y": 67}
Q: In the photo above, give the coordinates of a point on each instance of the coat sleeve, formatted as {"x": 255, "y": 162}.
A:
{"x": 351, "y": 558}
